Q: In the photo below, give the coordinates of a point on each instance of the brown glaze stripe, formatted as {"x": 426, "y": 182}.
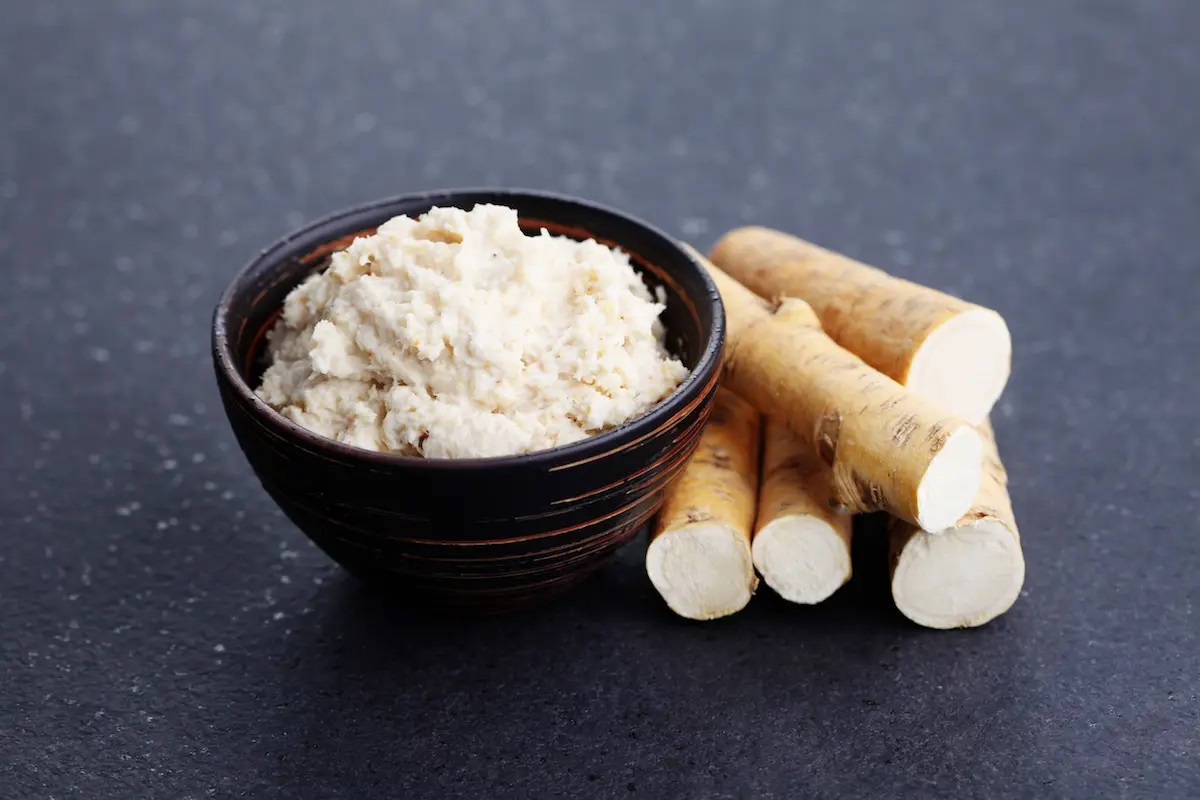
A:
{"x": 700, "y": 398}
{"x": 530, "y": 537}
{"x": 581, "y": 551}
{"x": 594, "y": 498}
{"x": 383, "y": 514}
{"x": 540, "y": 555}
{"x": 681, "y": 443}
{"x": 624, "y": 534}
{"x": 274, "y": 489}
{"x": 363, "y": 538}
{"x": 607, "y": 540}
{"x": 610, "y": 542}
{"x": 555, "y": 556}
{"x": 292, "y": 499}
{"x": 670, "y": 472}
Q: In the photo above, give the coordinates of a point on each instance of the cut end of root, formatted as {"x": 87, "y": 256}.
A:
{"x": 703, "y": 571}
{"x": 959, "y": 578}
{"x": 951, "y": 481}
{"x": 802, "y": 558}
{"x": 963, "y": 364}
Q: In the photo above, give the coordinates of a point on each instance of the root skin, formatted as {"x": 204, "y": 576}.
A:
{"x": 699, "y": 554}
{"x": 970, "y": 573}
{"x": 801, "y": 546}
{"x": 957, "y": 354}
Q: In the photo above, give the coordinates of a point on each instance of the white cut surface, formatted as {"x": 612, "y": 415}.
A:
{"x": 963, "y": 364}
{"x": 951, "y": 481}
{"x": 703, "y": 570}
{"x": 455, "y": 335}
{"x": 960, "y": 577}
{"x": 802, "y": 558}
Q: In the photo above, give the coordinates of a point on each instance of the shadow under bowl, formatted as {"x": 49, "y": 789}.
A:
{"x": 485, "y": 534}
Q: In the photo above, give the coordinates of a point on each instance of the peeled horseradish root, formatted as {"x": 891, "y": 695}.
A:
{"x": 969, "y": 573}
{"x": 953, "y": 353}
{"x": 888, "y": 449}
{"x": 801, "y": 546}
{"x": 699, "y": 554}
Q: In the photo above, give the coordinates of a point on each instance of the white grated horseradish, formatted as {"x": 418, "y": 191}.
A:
{"x": 455, "y": 335}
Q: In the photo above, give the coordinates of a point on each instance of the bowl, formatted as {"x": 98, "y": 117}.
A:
{"x": 484, "y": 534}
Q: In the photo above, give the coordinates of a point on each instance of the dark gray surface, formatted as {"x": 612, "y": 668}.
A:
{"x": 167, "y": 634}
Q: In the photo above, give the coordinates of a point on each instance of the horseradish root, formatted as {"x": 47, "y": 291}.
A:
{"x": 699, "y": 554}
{"x": 969, "y": 573}
{"x": 743, "y": 308}
{"x": 951, "y": 352}
{"x": 801, "y": 546}
{"x": 889, "y": 449}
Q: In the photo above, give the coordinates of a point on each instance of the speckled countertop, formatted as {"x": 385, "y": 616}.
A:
{"x": 167, "y": 634}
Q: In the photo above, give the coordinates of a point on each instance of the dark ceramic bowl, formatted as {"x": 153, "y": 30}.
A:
{"x": 486, "y": 533}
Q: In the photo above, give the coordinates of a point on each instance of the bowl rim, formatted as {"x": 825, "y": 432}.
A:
{"x": 696, "y": 380}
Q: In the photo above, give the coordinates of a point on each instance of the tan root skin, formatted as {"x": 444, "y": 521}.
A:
{"x": 954, "y": 353}
{"x": 699, "y": 554}
{"x": 889, "y": 449}
{"x": 970, "y": 573}
{"x": 801, "y": 546}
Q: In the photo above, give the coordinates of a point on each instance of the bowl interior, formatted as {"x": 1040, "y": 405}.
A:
{"x": 692, "y": 317}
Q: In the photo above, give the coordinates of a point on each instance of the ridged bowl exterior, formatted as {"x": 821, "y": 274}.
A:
{"x": 482, "y": 534}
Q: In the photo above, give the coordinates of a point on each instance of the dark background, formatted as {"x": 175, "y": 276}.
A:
{"x": 166, "y": 633}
